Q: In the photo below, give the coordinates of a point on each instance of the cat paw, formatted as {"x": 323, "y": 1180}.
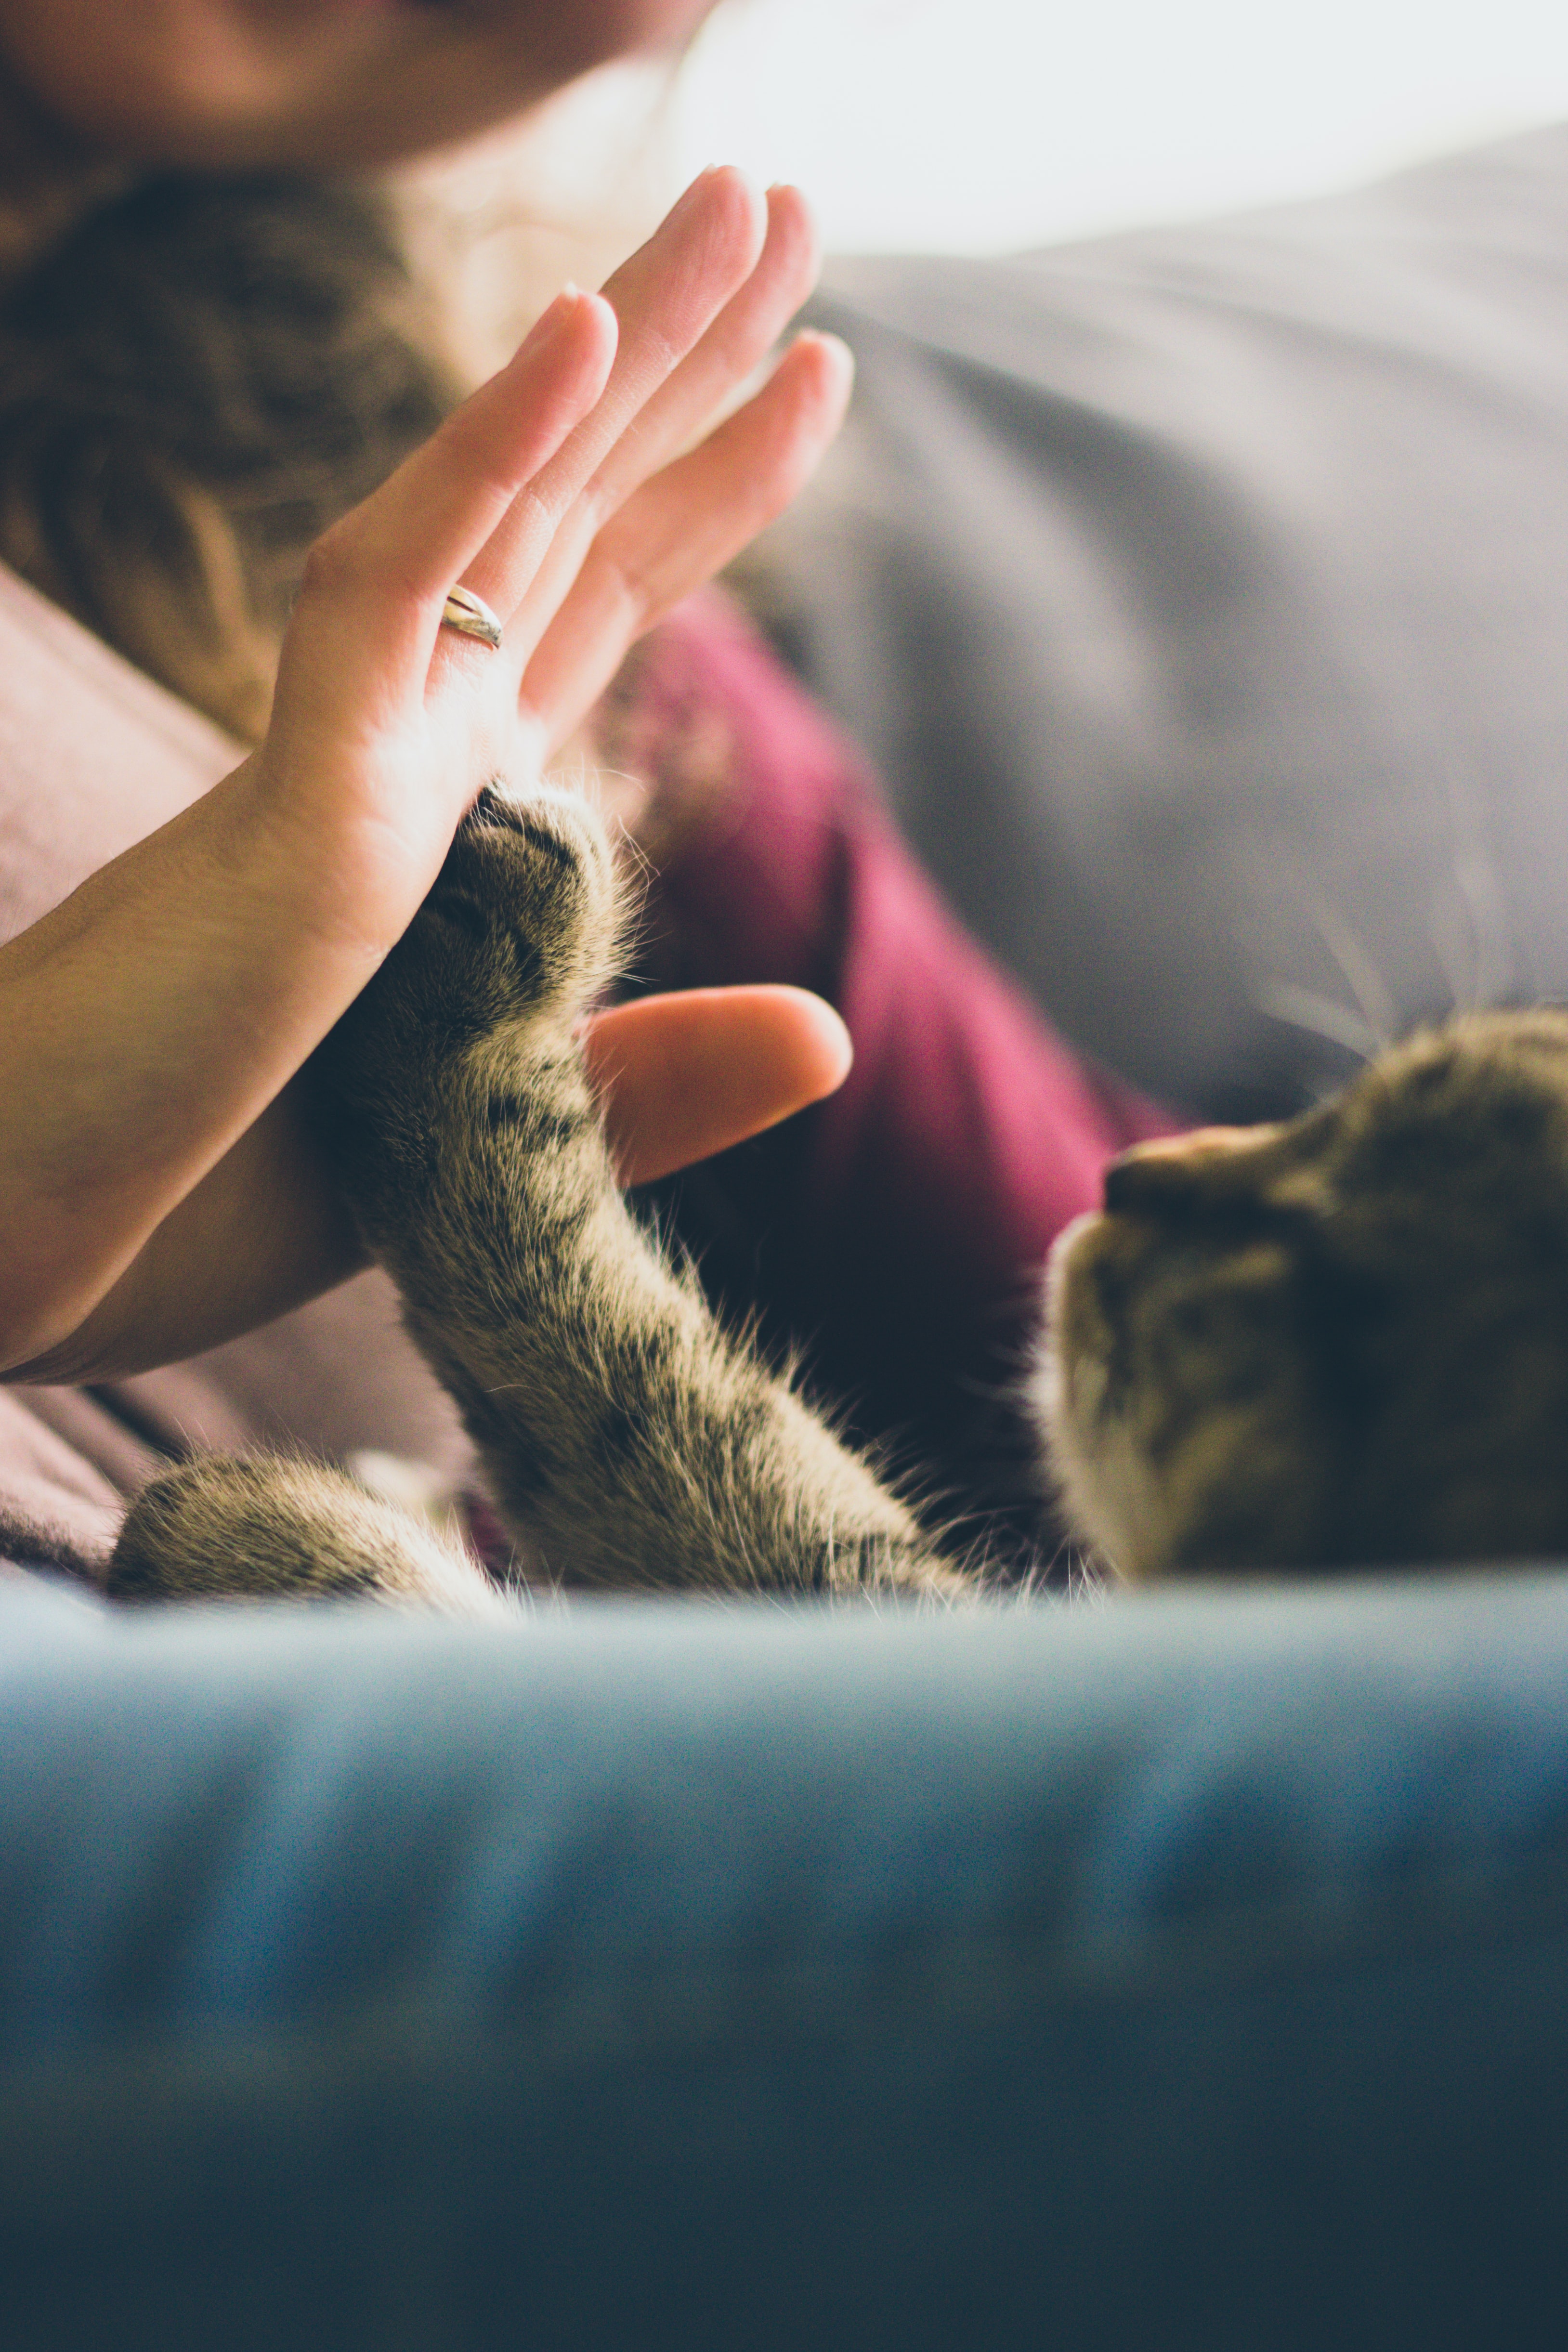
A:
{"x": 520, "y": 931}
{"x": 264, "y": 1527}
{"x": 523, "y": 916}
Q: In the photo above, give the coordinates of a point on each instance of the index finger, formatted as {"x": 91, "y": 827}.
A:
{"x": 370, "y": 602}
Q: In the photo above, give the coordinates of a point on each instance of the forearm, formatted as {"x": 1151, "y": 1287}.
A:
{"x": 147, "y": 1025}
{"x": 263, "y": 1232}
{"x": 265, "y": 1229}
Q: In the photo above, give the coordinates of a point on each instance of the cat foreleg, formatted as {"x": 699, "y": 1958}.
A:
{"x": 633, "y": 1440}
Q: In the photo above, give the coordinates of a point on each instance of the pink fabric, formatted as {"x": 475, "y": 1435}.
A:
{"x": 899, "y": 1230}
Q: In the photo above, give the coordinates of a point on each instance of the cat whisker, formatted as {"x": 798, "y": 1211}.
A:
{"x": 1319, "y": 1016}
{"x": 1374, "y": 1000}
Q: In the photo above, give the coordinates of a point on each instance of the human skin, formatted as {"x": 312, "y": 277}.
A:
{"x": 227, "y": 85}
{"x": 167, "y": 1186}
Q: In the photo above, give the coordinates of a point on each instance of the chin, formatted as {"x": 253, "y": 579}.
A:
{"x": 224, "y": 85}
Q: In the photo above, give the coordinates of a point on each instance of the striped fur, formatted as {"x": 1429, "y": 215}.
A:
{"x": 628, "y": 1442}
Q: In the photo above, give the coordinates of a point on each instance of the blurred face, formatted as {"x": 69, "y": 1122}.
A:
{"x": 228, "y": 84}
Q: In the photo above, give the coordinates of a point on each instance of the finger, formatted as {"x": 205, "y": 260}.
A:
{"x": 689, "y": 1075}
{"x": 664, "y": 299}
{"x": 734, "y": 348}
{"x": 370, "y": 604}
{"x": 686, "y": 525}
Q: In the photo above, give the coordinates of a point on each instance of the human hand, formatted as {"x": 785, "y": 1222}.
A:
{"x": 149, "y": 1024}
{"x": 559, "y": 494}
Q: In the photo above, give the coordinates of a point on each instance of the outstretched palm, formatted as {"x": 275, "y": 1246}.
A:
{"x": 154, "y": 1019}
{"x": 560, "y": 495}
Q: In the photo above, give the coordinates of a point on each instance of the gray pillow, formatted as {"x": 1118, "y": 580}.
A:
{"x": 1203, "y": 595}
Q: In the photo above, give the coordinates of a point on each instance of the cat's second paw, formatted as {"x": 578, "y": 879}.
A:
{"x": 264, "y": 1527}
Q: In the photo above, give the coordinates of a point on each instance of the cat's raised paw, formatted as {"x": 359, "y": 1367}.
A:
{"x": 519, "y": 933}
{"x": 525, "y": 904}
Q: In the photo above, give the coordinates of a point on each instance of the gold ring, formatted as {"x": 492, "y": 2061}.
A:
{"x": 470, "y": 616}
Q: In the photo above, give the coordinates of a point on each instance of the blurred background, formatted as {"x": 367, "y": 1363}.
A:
{"x": 973, "y": 125}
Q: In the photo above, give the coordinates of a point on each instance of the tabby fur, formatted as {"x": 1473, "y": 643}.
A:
{"x": 1338, "y": 1342}
{"x": 1334, "y": 1342}
{"x": 626, "y": 1439}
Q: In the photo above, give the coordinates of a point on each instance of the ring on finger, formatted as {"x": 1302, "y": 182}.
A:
{"x": 470, "y": 616}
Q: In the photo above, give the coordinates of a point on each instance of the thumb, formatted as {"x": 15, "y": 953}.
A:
{"x": 687, "y": 1074}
